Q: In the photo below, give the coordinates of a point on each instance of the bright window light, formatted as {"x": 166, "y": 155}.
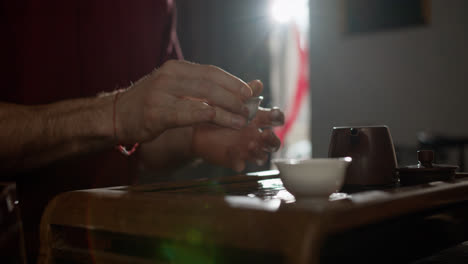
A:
{"x": 285, "y": 11}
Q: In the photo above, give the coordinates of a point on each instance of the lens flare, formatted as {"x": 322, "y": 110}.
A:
{"x": 285, "y": 11}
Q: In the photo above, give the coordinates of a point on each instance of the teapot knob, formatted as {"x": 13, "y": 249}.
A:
{"x": 425, "y": 158}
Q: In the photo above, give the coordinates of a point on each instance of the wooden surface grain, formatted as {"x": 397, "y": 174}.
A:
{"x": 239, "y": 218}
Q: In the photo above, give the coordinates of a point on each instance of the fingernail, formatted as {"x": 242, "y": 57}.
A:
{"x": 277, "y": 117}
{"x": 256, "y": 85}
{"x": 246, "y": 91}
{"x": 238, "y": 122}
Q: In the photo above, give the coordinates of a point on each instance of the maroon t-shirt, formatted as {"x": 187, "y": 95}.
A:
{"x": 55, "y": 50}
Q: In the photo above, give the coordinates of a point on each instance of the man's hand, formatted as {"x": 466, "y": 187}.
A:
{"x": 180, "y": 94}
{"x": 218, "y": 145}
{"x": 233, "y": 148}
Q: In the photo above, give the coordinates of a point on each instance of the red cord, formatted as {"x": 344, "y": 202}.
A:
{"x": 124, "y": 150}
{"x": 119, "y": 147}
{"x": 302, "y": 87}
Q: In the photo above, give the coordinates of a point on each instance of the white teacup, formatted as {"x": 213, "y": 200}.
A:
{"x": 252, "y": 104}
{"x": 313, "y": 177}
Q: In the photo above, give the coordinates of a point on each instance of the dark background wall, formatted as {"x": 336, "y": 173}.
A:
{"x": 230, "y": 34}
{"x": 411, "y": 79}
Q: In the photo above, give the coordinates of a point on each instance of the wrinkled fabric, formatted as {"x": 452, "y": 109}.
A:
{"x": 54, "y": 50}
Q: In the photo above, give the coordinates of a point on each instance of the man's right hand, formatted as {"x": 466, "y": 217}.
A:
{"x": 180, "y": 94}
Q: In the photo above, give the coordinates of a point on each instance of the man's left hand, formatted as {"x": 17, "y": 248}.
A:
{"x": 233, "y": 148}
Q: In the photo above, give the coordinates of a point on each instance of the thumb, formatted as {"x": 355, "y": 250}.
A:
{"x": 256, "y": 86}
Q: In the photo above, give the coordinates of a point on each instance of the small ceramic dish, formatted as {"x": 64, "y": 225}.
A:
{"x": 426, "y": 171}
{"x": 313, "y": 177}
{"x": 252, "y": 104}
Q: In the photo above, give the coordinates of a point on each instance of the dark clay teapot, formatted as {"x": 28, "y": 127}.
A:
{"x": 371, "y": 148}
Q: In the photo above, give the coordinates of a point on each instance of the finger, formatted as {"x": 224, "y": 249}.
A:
{"x": 256, "y": 154}
{"x": 227, "y": 119}
{"x": 262, "y": 160}
{"x": 188, "y": 112}
{"x": 269, "y": 117}
{"x": 270, "y": 142}
{"x": 256, "y": 86}
{"x": 207, "y": 91}
{"x": 235, "y": 156}
{"x": 211, "y": 73}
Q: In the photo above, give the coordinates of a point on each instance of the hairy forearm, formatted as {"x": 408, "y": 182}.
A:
{"x": 33, "y": 136}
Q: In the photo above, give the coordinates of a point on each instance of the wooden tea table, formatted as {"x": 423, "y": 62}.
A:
{"x": 252, "y": 219}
